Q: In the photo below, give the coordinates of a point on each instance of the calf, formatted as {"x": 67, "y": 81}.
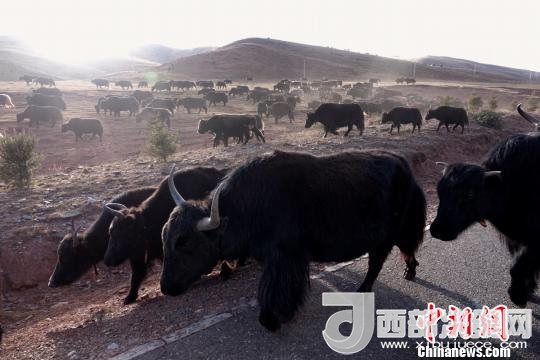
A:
{"x": 135, "y": 232}
{"x": 402, "y": 115}
{"x": 81, "y": 126}
{"x": 334, "y": 116}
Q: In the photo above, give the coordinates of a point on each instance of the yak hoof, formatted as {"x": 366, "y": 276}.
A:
{"x": 130, "y": 299}
{"x": 269, "y": 321}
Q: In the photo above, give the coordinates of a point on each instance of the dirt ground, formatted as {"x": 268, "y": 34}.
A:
{"x": 87, "y": 319}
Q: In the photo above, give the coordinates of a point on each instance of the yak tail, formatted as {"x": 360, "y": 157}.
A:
{"x": 527, "y": 116}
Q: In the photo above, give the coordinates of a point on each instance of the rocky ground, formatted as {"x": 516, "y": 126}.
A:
{"x": 87, "y": 319}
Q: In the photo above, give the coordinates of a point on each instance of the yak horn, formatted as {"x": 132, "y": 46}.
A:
{"x": 110, "y": 208}
{"x": 75, "y": 239}
{"x": 527, "y": 116}
{"x": 178, "y": 199}
{"x": 493, "y": 173}
{"x": 442, "y": 163}
{"x": 212, "y": 222}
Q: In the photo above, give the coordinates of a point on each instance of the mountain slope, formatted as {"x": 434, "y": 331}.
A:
{"x": 161, "y": 53}
{"x": 272, "y": 59}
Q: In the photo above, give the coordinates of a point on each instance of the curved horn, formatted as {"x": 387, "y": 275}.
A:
{"x": 212, "y": 222}
{"x": 493, "y": 173}
{"x": 527, "y": 116}
{"x": 74, "y": 231}
{"x": 110, "y": 208}
{"x": 178, "y": 199}
{"x": 442, "y": 163}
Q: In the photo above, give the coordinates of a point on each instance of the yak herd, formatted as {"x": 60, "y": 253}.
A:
{"x": 285, "y": 210}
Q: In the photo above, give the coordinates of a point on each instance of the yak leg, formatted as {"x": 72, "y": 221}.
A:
{"x": 325, "y": 132}
{"x": 138, "y": 273}
{"x": 438, "y": 127}
{"x": 376, "y": 261}
{"x": 523, "y": 273}
{"x": 348, "y": 130}
{"x": 462, "y": 128}
{"x": 282, "y": 289}
{"x": 398, "y": 128}
{"x": 391, "y": 128}
{"x": 447, "y": 128}
{"x": 455, "y": 126}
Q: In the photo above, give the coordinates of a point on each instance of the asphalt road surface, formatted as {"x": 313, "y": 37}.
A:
{"x": 471, "y": 271}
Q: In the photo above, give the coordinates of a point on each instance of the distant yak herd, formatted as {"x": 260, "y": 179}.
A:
{"x": 322, "y": 209}
{"x": 45, "y": 106}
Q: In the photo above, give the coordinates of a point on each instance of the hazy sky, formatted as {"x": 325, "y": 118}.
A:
{"x": 493, "y": 31}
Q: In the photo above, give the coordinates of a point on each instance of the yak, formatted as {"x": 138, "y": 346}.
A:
{"x": 46, "y": 100}
{"x": 334, "y": 116}
{"x": 240, "y": 126}
{"x": 151, "y": 114}
{"x": 448, "y": 115}
{"x": 279, "y": 110}
{"x": 116, "y": 104}
{"x": 161, "y": 85}
{"x": 169, "y": 104}
{"x": 38, "y": 114}
{"x": 135, "y": 232}
{"x": 142, "y": 84}
{"x": 142, "y": 95}
{"x": 100, "y": 83}
{"x": 215, "y": 97}
{"x": 81, "y": 126}
{"x": 27, "y": 79}
{"x": 124, "y": 84}
{"x": 402, "y": 115}
{"x": 78, "y": 252}
{"x": 192, "y": 103}
{"x": 48, "y": 91}
{"x": 502, "y": 190}
{"x": 288, "y": 209}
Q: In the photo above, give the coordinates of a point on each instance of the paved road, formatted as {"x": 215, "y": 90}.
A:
{"x": 471, "y": 271}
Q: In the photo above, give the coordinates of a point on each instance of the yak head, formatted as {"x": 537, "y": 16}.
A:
{"x": 190, "y": 241}
{"x": 74, "y": 258}
{"x": 66, "y": 127}
{"x": 310, "y": 120}
{"x": 385, "y": 118}
{"x": 465, "y": 192}
{"x": 125, "y": 233}
{"x": 430, "y": 115}
{"x": 203, "y": 126}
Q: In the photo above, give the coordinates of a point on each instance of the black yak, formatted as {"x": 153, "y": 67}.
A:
{"x": 448, "y": 115}
{"x": 402, "y": 115}
{"x": 81, "y": 126}
{"x": 287, "y": 209}
{"x": 334, "y": 116}
{"x": 135, "y": 232}
{"x": 502, "y": 191}
{"x": 192, "y": 103}
{"x": 38, "y": 114}
{"x": 239, "y": 126}
{"x": 78, "y": 252}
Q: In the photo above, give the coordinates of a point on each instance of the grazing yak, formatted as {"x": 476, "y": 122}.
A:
{"x": 124, "y": 84}
{"x": 258, "y": 95}
{"x": 281, "y": 109}
{"x": 81, "y": 126}
{"x": 48, "y": 91}
{"x": 215, "y": 97}
{"x": 135, "y": 232}
{"x": 192, "y": 103}
{"x": 46, "y": 100}
{"x": 334, "y": 116}
{"x": 169, "y": 104}
{"x": 5, "y": 101}
{"x": 39, "y": 114}
{"x": 448, "y": 115}
{"x": 152, "y": 114}
{"x": 116, "y": 104}
{"x": 402, "y": 115}
{"x": 221, "y": 85}
{"x": 206, "y": 84}
{"x": 142, "y": 95}
{"x": 162, "y": 86}
{"x": 78, "y": 252}
{"x": 502, "y": 191}
{"x": 27, "y": 78}
{"x": 237, "y": 126}
{"x": 324, "y": 209}
{"x": 42, "y": 81}
{"x": 101, "y": 83}
{"x": 142, "y": 84}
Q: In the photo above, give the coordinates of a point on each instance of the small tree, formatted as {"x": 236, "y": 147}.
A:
{"x": 161, "y": 143}
{"x": 18, "y": 159}
{"x": 489, "y": 118}
{"x": 532, "y": 104}
{"x": 475, "y": 103}
{"x": 493, "y": 104}
{"x": 447, "y": 101}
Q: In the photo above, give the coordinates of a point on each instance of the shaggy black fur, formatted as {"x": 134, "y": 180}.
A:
{"x": 509, "y": 200}
{"x": 75, "y": 259}
{"x": 448, "y": 115}
{"x": 287, "y": 209}
{"x": 334, "y": 116}
{"x": 402, "y": 115}
{"x": 137, "y": 235}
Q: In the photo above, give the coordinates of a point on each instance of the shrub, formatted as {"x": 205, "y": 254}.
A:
{"x": 493, "y": 104}
{"x": 18, "y": 159}
{"x": 161, "y": 143}
{"x": 475, "y": 103}
{"x": 532, "y": 104}
{"x": 489, "y": 118}
{"x": 447, "y": 101}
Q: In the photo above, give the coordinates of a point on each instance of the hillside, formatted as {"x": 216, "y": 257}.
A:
{"x": 160, "y": 53}
{"x": 271, "y": 59}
